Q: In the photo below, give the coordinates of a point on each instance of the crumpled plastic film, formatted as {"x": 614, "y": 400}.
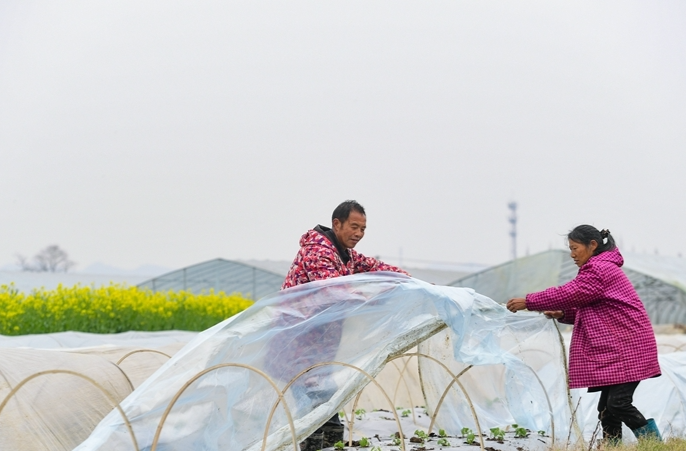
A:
{"x": 360, "y": 321}
{"x": 517, "y": 377}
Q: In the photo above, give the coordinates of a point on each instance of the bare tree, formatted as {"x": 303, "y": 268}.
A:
{"x": 50, "y": 259}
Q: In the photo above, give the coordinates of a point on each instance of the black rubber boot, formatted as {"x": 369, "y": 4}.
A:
{"x": 314, "y": 442}
{"x": 332, "y": 434}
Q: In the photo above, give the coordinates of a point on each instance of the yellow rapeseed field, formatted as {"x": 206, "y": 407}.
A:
{"x": 112, "y": 309}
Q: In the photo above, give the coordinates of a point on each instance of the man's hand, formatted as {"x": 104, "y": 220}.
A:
{"x": 554, "y": 314}
{"x": 516, "y": 304}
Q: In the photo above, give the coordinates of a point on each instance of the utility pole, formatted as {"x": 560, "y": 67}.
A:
{"x": 513, "y": 230}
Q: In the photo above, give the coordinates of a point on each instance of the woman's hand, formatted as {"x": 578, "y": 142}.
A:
{"x": 516, "y": 304}
{"x": 554, "y": 314}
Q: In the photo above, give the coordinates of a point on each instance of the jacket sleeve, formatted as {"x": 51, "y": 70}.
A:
{"x": 585, "y": 289}
{"x": 570, "y": 316}
{"x": 369, "y": 264}
{"x": 319, "y": 263}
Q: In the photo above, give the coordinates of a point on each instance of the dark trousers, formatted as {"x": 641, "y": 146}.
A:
{"x": 615, "y": 407}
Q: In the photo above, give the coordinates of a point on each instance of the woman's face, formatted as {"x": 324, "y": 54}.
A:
{"x": 580, "y": 252}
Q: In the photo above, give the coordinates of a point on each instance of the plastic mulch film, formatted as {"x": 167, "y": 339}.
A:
{"x": 222, "y": 390}
{"x": 51, "y": 400}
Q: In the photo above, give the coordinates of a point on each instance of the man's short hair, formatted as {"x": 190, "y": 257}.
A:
{"x": 342, "y": 212}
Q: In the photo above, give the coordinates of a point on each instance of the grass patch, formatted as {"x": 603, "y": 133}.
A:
{"x": 672, "y": 444}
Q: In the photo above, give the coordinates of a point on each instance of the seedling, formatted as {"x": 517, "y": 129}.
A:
{"x": 339, "y": 445}
{"x": 470, "y": 438}
{"x": 421, "y": 434}
{"x": 359, "y": 413}
{"x": 405, "y": 413}
{"x": 465, "y": 431}
{"x": 399, "y": 408}
{"x": 375, "y": 448}
{"x": 498, "y": 434}
{"x": 396, "y": 441}
{"x": 541, "y": 433}
{"x": 364, "y": 442}
{"x": 443, "y": 442}
{"x": 341, "y": 414}
{"x": 441, "y": 433}
{"x": 521, "y": 432}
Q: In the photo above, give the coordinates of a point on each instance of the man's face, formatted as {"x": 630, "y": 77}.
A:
{"x": 351, "y": 231}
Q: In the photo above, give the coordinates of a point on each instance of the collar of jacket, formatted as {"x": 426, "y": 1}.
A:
{"x": 331, "y": 236}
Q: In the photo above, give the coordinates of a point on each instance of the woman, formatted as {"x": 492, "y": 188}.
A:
{"x": 613, "y": 345}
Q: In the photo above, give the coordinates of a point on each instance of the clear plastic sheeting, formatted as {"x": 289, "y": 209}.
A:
{"x": 399, "y": 380}
{"x": 217, "y": 392}
{"x": 511, "y": 370}
{"x": 481, "y": 367}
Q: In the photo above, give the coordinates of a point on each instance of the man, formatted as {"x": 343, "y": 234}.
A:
{"x": 326, "y": 253}
{"x": 329, "y": 252}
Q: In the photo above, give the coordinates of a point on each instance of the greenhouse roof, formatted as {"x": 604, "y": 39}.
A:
{"x": 255, "y": 278}
{"x": 440, "y": 275}
{"x": 671, "y": 270}
{"x": 219, "y": 275}
{"x": 659, "y": 280}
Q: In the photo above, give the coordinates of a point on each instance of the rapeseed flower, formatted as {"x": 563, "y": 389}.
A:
{"x": 111, "y": 309}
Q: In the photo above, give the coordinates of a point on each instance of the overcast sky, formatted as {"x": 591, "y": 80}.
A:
{"x": 169, "y": 133}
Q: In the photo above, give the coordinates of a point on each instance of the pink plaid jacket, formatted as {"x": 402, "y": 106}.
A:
{"x": 612, "y": 341}
{"x": 318, "y": 260}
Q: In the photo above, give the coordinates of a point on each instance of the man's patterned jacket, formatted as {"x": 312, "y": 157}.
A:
{"x": 318, "y": 259}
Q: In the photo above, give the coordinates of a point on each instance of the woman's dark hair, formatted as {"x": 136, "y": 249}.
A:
{"x": 584, "y": 234}
{"x": 343, "y": 210}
